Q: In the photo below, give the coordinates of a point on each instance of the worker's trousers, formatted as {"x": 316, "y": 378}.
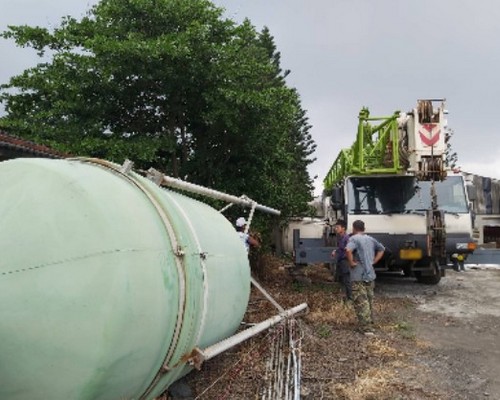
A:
{"x": 362, "y": 294}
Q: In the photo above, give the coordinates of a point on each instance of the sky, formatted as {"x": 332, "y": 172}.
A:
{"x": 346, "y": 54}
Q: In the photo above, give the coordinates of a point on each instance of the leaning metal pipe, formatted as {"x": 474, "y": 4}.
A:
{"x": 232, "y": 341}
{"x": 159, "y": 178}
{"x": 266, "y": 294}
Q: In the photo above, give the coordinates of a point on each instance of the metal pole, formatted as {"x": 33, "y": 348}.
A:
{"x": 266, "y": 294}
{"x": 232, "y": 341}
{"x": 192, "y": 187}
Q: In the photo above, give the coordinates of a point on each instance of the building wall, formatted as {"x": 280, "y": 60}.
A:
{"x": 486, "y": 208}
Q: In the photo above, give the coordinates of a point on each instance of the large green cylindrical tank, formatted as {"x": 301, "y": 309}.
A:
{"x": 108, "y": 282}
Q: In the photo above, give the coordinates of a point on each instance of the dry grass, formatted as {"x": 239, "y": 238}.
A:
{"x": 389, "y": 381}
{"x": 337, "y": 362}
{"x": 335, "y": 313}
{"x": 374, "y": 383}
{"x": 383, "y": 348}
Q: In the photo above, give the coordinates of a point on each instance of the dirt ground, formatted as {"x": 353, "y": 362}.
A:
{"x": 431, "y": 342}
{"x": 459, "y": 321}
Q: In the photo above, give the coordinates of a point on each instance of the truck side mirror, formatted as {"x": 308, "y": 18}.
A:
{"x": 471, "y": 192}
{"x": 337, "y": 198}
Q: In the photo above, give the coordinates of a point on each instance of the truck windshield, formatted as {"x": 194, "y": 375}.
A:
{"x": 403, "y": 194}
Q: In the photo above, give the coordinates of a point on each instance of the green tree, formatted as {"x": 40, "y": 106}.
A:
{"x": 169, "y": 84}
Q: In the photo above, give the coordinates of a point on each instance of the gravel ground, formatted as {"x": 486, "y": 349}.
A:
{"x": 431, "y": 342}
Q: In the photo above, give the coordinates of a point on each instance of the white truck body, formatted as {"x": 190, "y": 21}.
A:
{"x": 394, "y": 209}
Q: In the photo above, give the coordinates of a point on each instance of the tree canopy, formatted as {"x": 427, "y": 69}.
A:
{"x": 170, "y": 84}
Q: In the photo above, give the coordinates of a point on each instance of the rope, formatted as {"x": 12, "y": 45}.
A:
{"x": 252, "y": 211}
{"x": 226, "y": 207}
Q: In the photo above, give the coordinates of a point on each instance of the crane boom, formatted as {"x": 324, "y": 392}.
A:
{"x": 411, "y": 143}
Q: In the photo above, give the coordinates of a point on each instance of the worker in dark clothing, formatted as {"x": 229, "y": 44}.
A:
{"x": 342, "y": 270}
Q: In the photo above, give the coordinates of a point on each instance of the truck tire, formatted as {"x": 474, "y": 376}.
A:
{"x": 430, "y": 279}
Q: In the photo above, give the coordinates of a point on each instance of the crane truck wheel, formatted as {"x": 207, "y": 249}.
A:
{"x": 430, "y": 279}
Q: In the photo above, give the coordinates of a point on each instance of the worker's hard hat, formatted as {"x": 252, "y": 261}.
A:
{"x": 241, "y": 222}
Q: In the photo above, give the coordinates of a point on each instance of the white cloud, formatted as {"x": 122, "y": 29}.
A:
{"x": 484, "y": 167}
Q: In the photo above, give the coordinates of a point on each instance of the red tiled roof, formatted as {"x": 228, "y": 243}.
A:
{"x": 26, "y": 147}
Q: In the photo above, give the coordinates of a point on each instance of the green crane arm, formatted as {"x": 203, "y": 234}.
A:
{"x": 375, "y": 151}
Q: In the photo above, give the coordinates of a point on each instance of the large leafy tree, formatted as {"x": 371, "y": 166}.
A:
{"x": 169, "y": 84}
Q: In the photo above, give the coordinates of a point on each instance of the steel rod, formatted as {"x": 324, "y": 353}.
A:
{"x": 194, "y": 188}
{"x": 232, "y": 341}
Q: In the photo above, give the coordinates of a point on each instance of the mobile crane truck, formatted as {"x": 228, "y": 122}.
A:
{"x": 395, "y": 177}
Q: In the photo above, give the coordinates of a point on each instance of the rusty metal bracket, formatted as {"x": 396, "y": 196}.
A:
{"x": 179, "y": 252}
{"x": 154, "y": 176}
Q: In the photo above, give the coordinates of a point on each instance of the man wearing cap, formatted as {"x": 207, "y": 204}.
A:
{"x": 362, "y": 252}
{"x": 247, "y": 240}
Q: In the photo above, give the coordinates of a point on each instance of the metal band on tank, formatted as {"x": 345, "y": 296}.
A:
{"x": 202, "y": 262}
{"x": 175, "y": 246}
